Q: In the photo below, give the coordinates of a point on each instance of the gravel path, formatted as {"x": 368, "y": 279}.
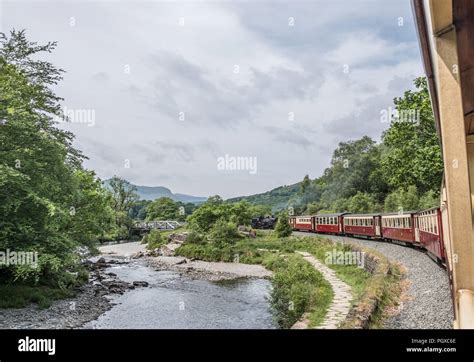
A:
{"x": 427, "y": 304}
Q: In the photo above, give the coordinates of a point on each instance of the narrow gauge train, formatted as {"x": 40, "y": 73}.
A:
{"x": 422, "y": 229}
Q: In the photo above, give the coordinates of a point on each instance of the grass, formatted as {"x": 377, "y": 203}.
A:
{"x": 391, "y": 290}
{"x": 19, "y": 296}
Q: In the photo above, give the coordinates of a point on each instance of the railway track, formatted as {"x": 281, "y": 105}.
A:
{"x": 427, "y": 304}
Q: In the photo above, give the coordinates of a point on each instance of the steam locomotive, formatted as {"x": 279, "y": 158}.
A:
{"x": 264, "y": 222}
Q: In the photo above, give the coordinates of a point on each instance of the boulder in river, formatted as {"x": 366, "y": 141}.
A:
{"x": 140, "y": 283}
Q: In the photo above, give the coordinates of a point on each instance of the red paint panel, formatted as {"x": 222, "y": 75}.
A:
{"x": 432, "y": 243}
{"x": 327, "y": 228}
{"x": 303, "y": 226}
{"x": 359, "y": 230}
{"x": 399, "y": 234}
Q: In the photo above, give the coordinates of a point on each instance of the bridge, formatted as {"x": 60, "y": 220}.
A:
{"x": 158, "y": 225}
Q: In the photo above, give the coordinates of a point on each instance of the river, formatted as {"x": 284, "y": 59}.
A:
{"x": 175, "y": 301}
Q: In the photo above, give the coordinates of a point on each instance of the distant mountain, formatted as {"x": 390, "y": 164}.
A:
{"x": 155, "y": 192}
{"x": 277, "y": 198}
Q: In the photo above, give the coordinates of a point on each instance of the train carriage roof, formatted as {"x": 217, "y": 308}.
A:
{"x": 362, "y": 215}
{"x": 399, "y": 213}
{"x": 332, "y": 215}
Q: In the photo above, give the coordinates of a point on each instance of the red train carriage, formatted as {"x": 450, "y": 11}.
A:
{"x": 429, "y": 232}
{"x": 302, "y": 223}
{"x": 329, "y": 223}
{"x": 362, "y": 225}
{"x": 399, "y": 226}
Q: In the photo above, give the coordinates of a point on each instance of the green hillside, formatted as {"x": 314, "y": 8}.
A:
{"x": 278, "y": 198}
{"x": 156, "y": 192}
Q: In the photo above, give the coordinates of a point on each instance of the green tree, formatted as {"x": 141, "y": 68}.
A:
{"x": 354, "y": 168}
{"x": 124, "y": 196}
{"x": 312, "y": 208}
{"x": 402, "y": 199}
{"x": 223, "y": 232}
{"x": 260, "y": 210}
{"x": 163, "y": 208}
{"x": 412, "y": 154}
{"x": 241, "y": 213}
{"x": 362, "y": 203}
{"x": 203, "y": 218}
{"x": 429, "y": 199}
{"x": 283, "y": 227}
{"x": 305, "y": 184}
{"x": 48, "y": 203}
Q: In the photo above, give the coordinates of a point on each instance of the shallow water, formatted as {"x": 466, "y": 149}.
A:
{"x": 178, "y": 302}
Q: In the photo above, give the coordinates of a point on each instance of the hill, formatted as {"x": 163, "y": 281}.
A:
{"x": 277, "y": 198}
{"x": 155, "y": 192}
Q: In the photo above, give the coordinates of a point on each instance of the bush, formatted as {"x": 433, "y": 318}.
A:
{"x": 297, "y": 288}
{"x": 195, "y": 237}
{"x": 223, "y": 232}
{"x": 428, "y": 200}
{"x": 207, "y": 252}
{"x": 401, "y": 199}
{"x": 154, "y": 239}
{"x": 283, "y": 228}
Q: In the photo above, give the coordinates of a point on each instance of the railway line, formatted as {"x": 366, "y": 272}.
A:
{"x": 427, "y": 301}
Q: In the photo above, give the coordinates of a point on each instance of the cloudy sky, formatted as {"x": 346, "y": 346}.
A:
{"x": 158, "y": 91}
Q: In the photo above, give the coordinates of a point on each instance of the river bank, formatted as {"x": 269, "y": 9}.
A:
{"x": 90, "y": 302}
{"x": 198, "y": 269}
{"x": 105, "y": 288}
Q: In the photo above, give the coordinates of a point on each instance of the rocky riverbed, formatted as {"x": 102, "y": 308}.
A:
{"x": 104, "y": 289}
{"x": 91, "y": 300}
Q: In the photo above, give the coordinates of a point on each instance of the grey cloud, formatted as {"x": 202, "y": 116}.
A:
{"x": 101, "y": 77}
{"x": 288, "y": 136}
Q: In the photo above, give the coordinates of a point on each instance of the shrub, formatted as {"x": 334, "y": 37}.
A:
{"x": 283, "y": 228}
{"x": 207, "y": 252}
{"x": 223, "y": 232}
{"x": 297, "y": 287}
{"x": 154, "y": 239}
{"x": 195, "y": 237}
